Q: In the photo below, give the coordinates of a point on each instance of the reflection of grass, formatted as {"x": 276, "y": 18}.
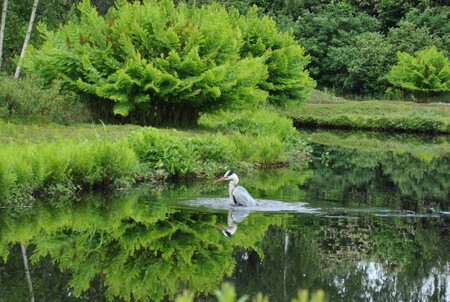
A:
{"x": 328, "y": 111}
{"x": 424, "y": 148}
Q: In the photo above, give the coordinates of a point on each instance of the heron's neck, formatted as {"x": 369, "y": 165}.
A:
{"x": 231, "y": 186}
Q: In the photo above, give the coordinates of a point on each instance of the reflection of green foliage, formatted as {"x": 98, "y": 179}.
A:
{"x": 382, "y": 170}
{"x": 133, "y": 248}
{"x": 283, "y": 183}
{"x": 140, "y": 243}
{"x": 396, "y": 241}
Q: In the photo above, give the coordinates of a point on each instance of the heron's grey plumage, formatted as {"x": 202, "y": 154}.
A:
{"x": 242, "y": 197}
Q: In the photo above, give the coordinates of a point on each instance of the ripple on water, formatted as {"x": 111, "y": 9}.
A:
{"x": 264, "y": 205}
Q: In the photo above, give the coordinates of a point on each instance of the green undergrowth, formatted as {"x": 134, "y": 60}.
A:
{"x": 391, "y": 116}
{"x": 53, "y": 161}
{"x": 25, "y": 99}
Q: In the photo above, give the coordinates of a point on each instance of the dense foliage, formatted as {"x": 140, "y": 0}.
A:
{"x": 352, "y": 52}
{"x": 157, "y": 63}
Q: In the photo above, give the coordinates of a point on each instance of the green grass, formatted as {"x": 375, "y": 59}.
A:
{"x": 323, "y": 110}
{"x": 47, "y": 132}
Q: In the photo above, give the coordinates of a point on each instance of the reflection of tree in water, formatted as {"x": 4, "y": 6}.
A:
{"x": 400, "y": 180}
{"x": 130, "y": 249}
{"x": 362, "y": 258}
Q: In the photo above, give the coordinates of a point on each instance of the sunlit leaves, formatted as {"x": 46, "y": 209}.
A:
{"x": 426, "y": 72}
{"x": 157, "y": 63}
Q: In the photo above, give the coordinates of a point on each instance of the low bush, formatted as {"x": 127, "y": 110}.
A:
{"x": 252, "y": 122}
{"x": 178, "y": 155}
{"x": 426, "y": 73}
{"x": 25, "y": 99}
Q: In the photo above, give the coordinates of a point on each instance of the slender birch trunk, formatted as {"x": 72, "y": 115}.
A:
{"x": 2, "y": 29}
{"x": 27, "y": 270}
{"x": 27, "y": 39}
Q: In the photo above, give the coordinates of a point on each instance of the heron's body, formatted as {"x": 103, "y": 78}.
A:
{"x": 238, "y": 195}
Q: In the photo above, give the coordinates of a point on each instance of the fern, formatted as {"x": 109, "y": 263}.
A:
{"x": 426, "y": 72}
{"x": 157, "y": 63}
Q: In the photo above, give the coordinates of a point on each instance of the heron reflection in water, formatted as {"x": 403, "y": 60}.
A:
{"x": 238, "y": 195}
{"x": 234, "y": 217}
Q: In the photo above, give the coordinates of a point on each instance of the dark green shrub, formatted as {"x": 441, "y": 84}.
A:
{"x": 409, "y": 37}
{"x": 360, "y": 67}
{"x": 324, "y": 27}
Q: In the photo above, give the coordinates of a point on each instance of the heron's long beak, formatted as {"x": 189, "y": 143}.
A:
{"x": 220, "y": 179}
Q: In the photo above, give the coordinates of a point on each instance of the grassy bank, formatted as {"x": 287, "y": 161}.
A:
{"x": 54, "y": 161}
{"x": 326, "y": 111}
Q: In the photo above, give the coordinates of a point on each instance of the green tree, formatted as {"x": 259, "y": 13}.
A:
{"x": 330, "y": 26}
{"x": 50, "y": 12}
{"x": 435, "y": 19}
{"x": 428, "y": 72}
{"x": 360, "y": 67}
{"x": 410, "y": 38}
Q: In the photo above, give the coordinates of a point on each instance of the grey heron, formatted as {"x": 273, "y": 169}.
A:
{"x": 238, "y": 195}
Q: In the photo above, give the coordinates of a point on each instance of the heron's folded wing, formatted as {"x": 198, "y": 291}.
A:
{"x": 243, "y": 198}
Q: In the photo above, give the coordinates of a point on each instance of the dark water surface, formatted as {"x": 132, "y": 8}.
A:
{"x": 367, "y": 220}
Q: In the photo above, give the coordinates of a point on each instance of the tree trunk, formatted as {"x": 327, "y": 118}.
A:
{"x": 27, "y": 39}
{"x": 2, "y": 29}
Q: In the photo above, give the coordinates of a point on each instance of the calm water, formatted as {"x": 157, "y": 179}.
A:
{"x": 367, "y": 220}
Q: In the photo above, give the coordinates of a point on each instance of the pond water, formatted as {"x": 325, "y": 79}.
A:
{"x": 367, "y": 220}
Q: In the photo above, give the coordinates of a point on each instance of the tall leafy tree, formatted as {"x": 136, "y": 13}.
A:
{"x": 328, "y": 27}
{"x": 360, "y": 67}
